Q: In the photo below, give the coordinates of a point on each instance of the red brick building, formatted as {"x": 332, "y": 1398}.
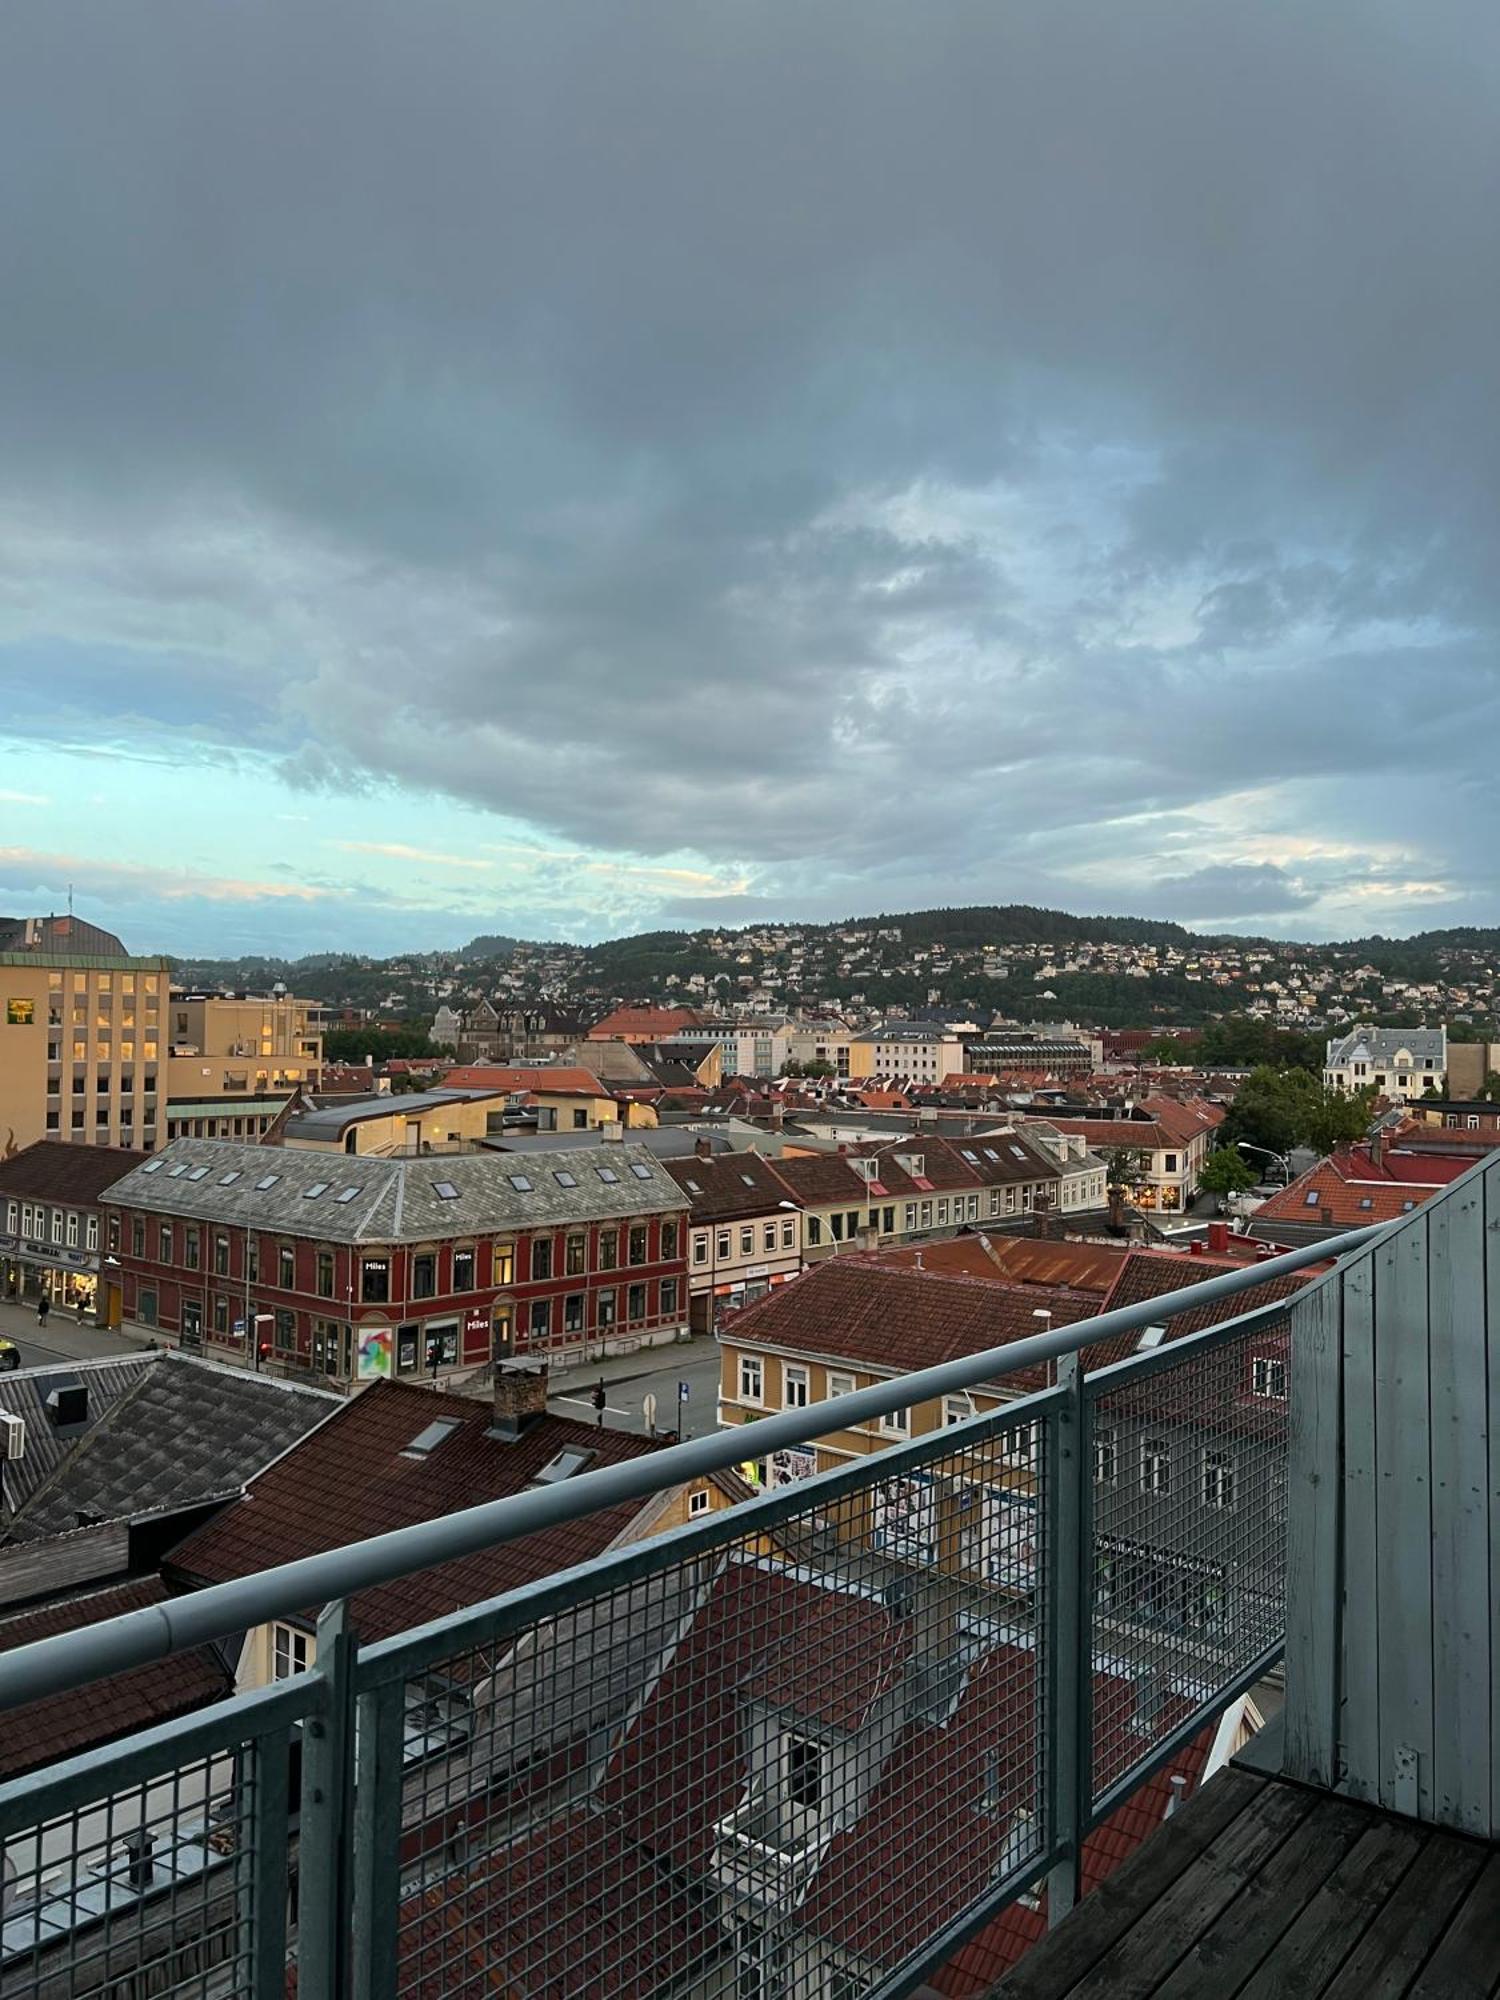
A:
{"x": 362, "y": 1267}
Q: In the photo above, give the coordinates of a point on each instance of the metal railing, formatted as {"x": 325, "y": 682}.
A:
{"x": 798, "y": 1748}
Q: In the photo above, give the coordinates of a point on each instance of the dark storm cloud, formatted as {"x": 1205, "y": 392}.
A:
{"x": 1231, "y": 889}
{"x": 861, "y": 440}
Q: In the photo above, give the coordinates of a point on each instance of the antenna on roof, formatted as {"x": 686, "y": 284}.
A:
{"x": 70, "y": 899}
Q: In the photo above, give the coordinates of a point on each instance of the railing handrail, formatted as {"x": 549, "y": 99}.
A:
{"x": 73, "y": 1659}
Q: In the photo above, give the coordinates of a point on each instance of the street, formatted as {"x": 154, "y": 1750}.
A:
{"x": 60, "y": 1341}
{"x": 629, "y": 1379}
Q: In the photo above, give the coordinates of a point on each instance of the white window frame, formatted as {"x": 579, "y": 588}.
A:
{"x": 796, "y": 1386}
{"x": 1217, "y": 1481}
{"x": 291, "y": 1651}
{"x": 896, "y": 1423}
{"x": 1265, "y": 1371}
{"x": 72, "y": 1228}
{"x": 1156, "y": 1469}
{"x": 700, "y": 1246}
{"x": 957, "y": 1410}
{"x": 752, "y": 1365}
{"x": 840, "y": 1383}
{"x": 699, "y": 1502}
{"x": 1106, "y": 1458}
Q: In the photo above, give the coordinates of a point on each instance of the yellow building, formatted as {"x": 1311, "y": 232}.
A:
{"x": 240, "y": 1045}
{"x": 81, "y": 1038}
{"x": 419, "y": 1121}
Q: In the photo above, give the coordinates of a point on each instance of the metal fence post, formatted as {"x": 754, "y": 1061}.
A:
{"x": 380, "y": 1761}
{"x": 1069, "y": 1642}
{"x": 326, "y": 1822}
{"x": 264, "y": 1772}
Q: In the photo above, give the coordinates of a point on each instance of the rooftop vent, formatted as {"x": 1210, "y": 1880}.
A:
{"x": 68, "y": 1404}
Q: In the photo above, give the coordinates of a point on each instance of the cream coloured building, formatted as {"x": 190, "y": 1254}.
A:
{"x": 81, "y": 1041}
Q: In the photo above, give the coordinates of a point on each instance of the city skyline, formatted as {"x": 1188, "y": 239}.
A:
{"x": 568, "y": 475}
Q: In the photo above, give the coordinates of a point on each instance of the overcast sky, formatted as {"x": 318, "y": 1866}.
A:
{"x": 564, "y": 468}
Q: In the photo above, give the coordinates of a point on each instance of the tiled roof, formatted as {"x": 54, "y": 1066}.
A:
{"x": 659, "y": 1024}
{"x": 165, "y": 1432}
{"x": 888, "y": 1319}
{"x": 60, "y": 1725}
{"x": 972, "y": 1972}
{"x": 57, "y": 1172}
{"x": 727, "y": 1185}
{"x": 1023, "y": 1260}
{"x": 1151, "y": 1274}
{"x": 397, "y": 1199}
{"x": 562, "y": 1079}
{"x": 815, "y": 1178}
{"x": 1326, "y": 1197}
{"x": 350, "y": 1480}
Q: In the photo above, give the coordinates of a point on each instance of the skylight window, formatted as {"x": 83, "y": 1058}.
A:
{"x": 428, "y": 1440}
{"x": 229, "y": 1179}
{"x": 1367, "y": 1201}
{"x": 1407, "y": 1207}
{"x": 267, "y": 1181}
{"x": 566, "y": 1463}
{"x": 1311, "y": 1198}
{"x": 152, "y": 1167}
{"x": 693, "y": 1187}
{"x": 1152, "y": 1337}
{"x": 965, "y": 1154}
{"x": 311, "y": 1192}
{"x": 520, "y": 1182}
{"x": 641, "y": 1172}
{"x": 748, "y": 1179}
{"x": 1019, "y": 1152}
{"x": 445, "y": 1191}
{"x": 346, "y": 1194}
{"x": 198, "y": 1174}
{"x": 564, "y": 1178}
{"x": 176, "y": 1173}
{"x": 608, "y": 1174}
{"x": 991, "y": 1154}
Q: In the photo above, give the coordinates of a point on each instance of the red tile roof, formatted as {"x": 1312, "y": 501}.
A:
{"x": 349, "y": 1479}
{"x": 893, "y": 1320}
{"x": 60, "y": 1725}
{"x": 1023, "y": 1260}
{"x": 1327, "y": 1195}
{"x": 563, "y": 1079}
{"x": 973, "y": 1971}
{"x": 652, "y": 1024}
{"x": 727, "y": 1185}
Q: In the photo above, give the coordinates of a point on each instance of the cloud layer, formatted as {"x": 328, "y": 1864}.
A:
{"x": 853, "y": 456}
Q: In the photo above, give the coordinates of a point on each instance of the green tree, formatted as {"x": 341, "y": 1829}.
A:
{"x": 1489, "y": 1090}
{"x": 352, "y": 1045}
{"x": 1126, "y": 1165}
{"x": 1337, "y": 1119}
{"x": 1271, "y": 1109}
{"x": 1226, "y": 1172}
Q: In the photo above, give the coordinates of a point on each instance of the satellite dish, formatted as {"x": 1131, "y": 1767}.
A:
{"x": 648, "y": 1411}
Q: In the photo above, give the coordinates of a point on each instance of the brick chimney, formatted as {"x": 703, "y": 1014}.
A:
{"x": 703, "y": 1148}
{"x": 520, "y": 1396}
{"x": 1377, "y": 1149}
{"x": 1218, "y": 1238}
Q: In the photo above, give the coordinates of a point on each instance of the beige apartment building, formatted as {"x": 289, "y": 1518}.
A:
{"x": 81, "y": 1040}
{"x": 240, "y": 1045}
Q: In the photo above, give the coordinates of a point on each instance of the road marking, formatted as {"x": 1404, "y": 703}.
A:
{"x": 579, "y": 1403}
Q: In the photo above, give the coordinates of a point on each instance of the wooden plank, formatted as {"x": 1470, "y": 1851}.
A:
{"x": 1172, "y": 1925}
{"x": 1314, "y": 1448}
{"x": 1466, "y": 1964}
{"x": 1317, "y": 1944}
{"x": 1491, "y": 1180}
{"x": 1403, "y": 1552}
{"x": 1460, "y": 1511}
{"x": 1360, "y": 1663}
{"x": 1067, "y": 1954}
{"x": 1270, "y": 1904}
{"x": 1400, "y": 1940}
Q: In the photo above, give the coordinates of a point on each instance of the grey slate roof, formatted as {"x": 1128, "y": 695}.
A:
{"x": 1380, "y": 1045}
{"x": 395, "y": 1200}
{"x": 165, "y": 1431}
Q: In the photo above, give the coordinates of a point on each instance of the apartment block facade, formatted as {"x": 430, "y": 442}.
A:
{"x": 362, "y": 1269}
{"x": 81, "y": 1048}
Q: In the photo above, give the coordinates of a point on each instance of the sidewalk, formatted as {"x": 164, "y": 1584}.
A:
{"x": 63, "y": 1334}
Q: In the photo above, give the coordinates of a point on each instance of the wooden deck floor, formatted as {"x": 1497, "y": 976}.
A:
{"x": 1264, "y": 1890}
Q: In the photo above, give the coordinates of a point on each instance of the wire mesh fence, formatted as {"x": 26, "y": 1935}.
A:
{"x": 1188, "y": 1454}
{"x": 777, "y": 1766}
{"x": 796, "y": 1749}
{"x": 155, "y": 1870}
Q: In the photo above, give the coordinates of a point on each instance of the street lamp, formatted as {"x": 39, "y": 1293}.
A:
{"x": 1244, "y": 1146}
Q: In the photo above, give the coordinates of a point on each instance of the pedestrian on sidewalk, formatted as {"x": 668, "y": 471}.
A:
{"x": 43, "y": 1307}
{"x": 600, "y": 1399}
